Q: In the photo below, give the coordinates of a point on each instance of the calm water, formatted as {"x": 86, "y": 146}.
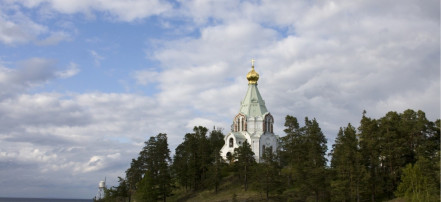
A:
{"x": 42, "y": 200}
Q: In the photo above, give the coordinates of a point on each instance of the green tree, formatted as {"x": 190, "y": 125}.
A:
{"x": 245, "y": 161}
{"x": 390, "y": 143}
{"x": 293, "y": 157}
{"x": 266, "y": 174}
{"x": 303, "y": 159}
{"x": 348, "y": 171}
{"x": 215, "y": 174}
{"x": 118, "y": 193}
{"x": 156, "y": 157}
{"x": 293, "y": 150}
{"x": 193, "y": 157}
{"x": 217, "y": 164}
{"x": 147, "y": 189}
{"x": 134, "y": 174}
{"x": 370, "y": 148}
{"x": 417, "y": 182}
{"x": 315, "y": 167}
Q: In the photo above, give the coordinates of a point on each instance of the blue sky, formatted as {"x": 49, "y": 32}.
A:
{"x": 84, "y": 83}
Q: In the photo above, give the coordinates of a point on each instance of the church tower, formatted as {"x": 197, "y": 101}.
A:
{"x": 253, "y": 123}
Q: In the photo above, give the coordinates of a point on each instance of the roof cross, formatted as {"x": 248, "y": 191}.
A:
{"x": 252, "y": 62}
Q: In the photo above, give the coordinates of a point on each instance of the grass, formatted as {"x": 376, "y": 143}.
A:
{"x": 229, "y": 190}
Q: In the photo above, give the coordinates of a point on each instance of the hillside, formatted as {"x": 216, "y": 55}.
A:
{"x": 229, "y": 190}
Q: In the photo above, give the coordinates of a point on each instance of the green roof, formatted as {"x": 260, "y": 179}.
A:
{"x": 253, "y": 105}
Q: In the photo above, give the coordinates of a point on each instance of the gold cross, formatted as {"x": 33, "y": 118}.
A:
{"x": 252, "y": 62}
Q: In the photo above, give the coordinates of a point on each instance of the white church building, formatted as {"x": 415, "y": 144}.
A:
{"x": 253, "y": 123}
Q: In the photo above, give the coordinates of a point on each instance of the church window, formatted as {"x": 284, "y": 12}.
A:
{"x": 231, "y": 142}
{"x": 268, "y": 123}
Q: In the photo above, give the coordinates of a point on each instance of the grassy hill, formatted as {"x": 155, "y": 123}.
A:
{"x": 229, "y": 190}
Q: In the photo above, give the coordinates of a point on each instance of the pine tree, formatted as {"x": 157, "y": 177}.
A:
{"x": 193, "y": 158}
{"x": 293, "y": 157}
{"x": 157, "y": 178}
{"x": 180, "y": 166}
{"x": 147, "y": 189}
{"x": 215, "y": 172}
{"x": 217, "y": 163}
{"x": 370, "y": 148}
{"x": 315, "y": 167}
{"x": 245, "y": 161}
{"x": 347, "y": 168}
{"x": 293, "y": 150}
{"x": 134, "y": 174}
{"x": 266, "y": 174}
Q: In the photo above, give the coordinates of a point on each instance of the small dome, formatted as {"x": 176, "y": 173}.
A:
{"x": 252, "y": 76}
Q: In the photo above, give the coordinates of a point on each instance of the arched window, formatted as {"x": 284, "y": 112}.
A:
{"x": 231, "y": 142}
{"x": 268, "y": 123}
{"x": 240, "y": 123}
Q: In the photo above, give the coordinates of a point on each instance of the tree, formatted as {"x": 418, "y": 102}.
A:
{"x": 134, "y": 174}
{"x": 315, "y": 166}
{"x": 147, "y": 190}
{"x": 215, "y": 172}
{"x": 245, "y": 160}
{"x": 346, "y": 166}
{"x": 266, "y": 174}
{"x": 390, "y": 143}
{"x": 370, "y": 148}
{"x": 194, "y": 156}
{"x": 303, "y": 158}
{"x": 417, "y": 183}
{"x": 293, "y": 151}
{"x": 157, "y": 182}
{"x": 293, "y": 157}
{"x": 118, "y": 193}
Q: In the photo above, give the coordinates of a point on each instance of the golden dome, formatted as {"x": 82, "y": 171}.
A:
{"x": 252, "y": 76}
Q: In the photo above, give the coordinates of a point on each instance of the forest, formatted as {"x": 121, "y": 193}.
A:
{"x": 395, "y": 156}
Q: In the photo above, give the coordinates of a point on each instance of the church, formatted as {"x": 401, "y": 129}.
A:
{"x": 253, "y": 123}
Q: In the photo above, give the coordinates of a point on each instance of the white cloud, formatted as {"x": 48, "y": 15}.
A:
{"x": 120, "y": 10}
{"x": 30, "y": 73}
{"x": 97, "y": 58}
{"x": 336, "y": 59}
{"x": 71, "y": 70}
{"x": 18, "y": 28}
{"x": 54, "y": 38}
{"x": 145, "y": 77}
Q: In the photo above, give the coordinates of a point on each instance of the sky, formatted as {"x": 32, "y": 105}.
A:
{"x": 83, "y": 83}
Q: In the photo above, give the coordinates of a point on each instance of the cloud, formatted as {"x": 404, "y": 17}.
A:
{"x": 71, "y": 70}
{"x": 54, "y": 38}
{"x": 330, "y": 61}
{"x": 145, "y": 77}
{"x": 17, "y": 28}
{"x": 97, "y": 58}
{"x": 30, "y": 73}
{"x": 120, "y": 10}
{"x": 77, "y": 137}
